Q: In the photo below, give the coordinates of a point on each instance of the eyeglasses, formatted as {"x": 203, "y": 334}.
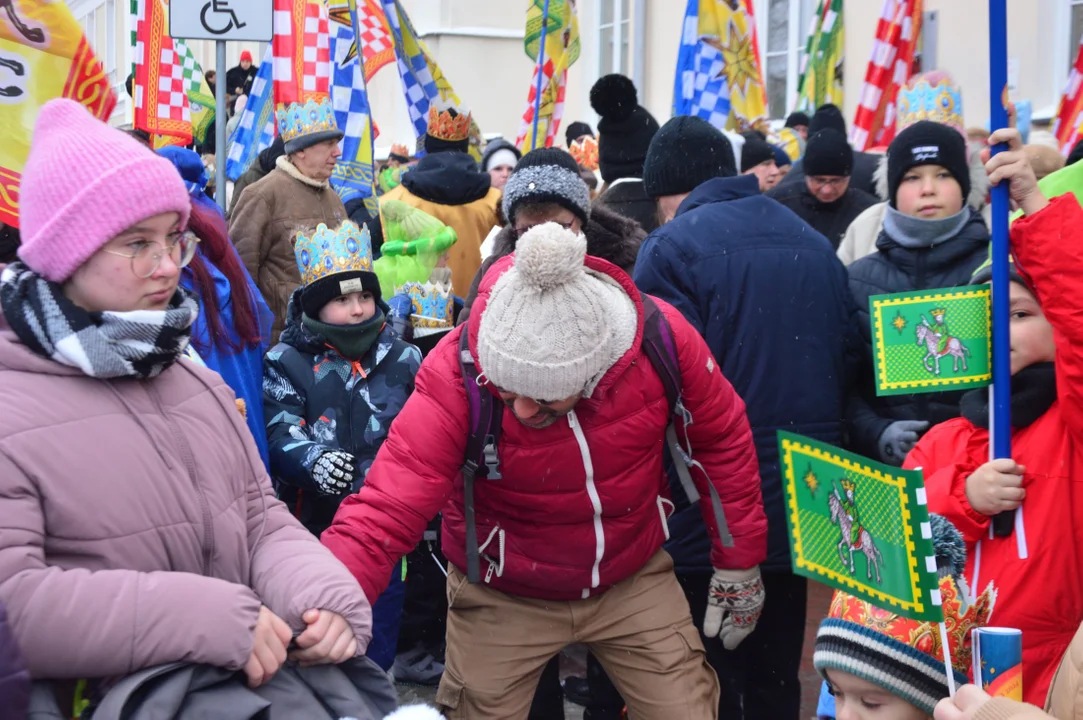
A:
{"x": 147, "y": 257}
{"x": 832, "y": 182}
{"x": 519, "y": 232}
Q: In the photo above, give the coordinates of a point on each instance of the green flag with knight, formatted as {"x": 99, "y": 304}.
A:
{"x": 859, "y": 526}
{"x": 931, "y": 340}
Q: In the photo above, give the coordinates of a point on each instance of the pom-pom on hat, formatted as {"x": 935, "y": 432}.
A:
{"x": 84, "y": 183}
{"x": 552, "y": 328}
{"x": 904, "y": 656}
{"x": 625, "y": 129}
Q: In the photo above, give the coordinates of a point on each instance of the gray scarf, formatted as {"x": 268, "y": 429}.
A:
{"x": 912, "y": 232}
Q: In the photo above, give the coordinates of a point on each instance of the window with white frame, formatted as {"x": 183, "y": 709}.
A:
{"x": 782, "y": 26}
{"x": 1075, "y": 30}
{"x": 614, "y": 37}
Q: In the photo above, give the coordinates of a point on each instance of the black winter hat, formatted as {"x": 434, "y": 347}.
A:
{"x": 547, "y": 175}
{"x": 797, "y": 118}
{"x": 754, "y": 152}
{"x": 827, "y": 116}
{"x": 927, "y": 143}
{"x": 828, "y": 153}
{"x": 575, "y": 131}
{"x": 686, "y": 152}
{"x": 625, "y": 129}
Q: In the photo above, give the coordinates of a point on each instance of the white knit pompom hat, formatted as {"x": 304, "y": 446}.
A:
{"x": 552, "y": 328}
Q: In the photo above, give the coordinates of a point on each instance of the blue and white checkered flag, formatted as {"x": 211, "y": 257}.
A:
{"x": 699, "y": 88}
{"x": 256, "y": 129}
{"x": 353, "y": 175}
{"x": 418, "y": 85}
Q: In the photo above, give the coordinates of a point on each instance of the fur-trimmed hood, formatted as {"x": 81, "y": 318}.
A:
{"x": 979, "y": 181}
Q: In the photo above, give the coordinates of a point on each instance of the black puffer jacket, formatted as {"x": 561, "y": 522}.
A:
{"x": 894, "y": 269}
{"x": 828, "y": 219}
{"x": 610, "y": 236}
{"x": 628, "y": 198}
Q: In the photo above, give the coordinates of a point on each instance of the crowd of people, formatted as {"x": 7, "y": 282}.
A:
{"x": 279, "y": 458}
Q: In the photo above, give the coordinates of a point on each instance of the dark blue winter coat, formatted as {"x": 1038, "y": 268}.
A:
{"x": 316, "y": 400}
{"x": 771, "y": 299}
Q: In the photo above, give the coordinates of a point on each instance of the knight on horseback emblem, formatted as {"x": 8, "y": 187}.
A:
{"x": 854, "y": 536}
{"x": 938, "y": 342}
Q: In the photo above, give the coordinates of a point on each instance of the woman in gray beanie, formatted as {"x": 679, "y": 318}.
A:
{"x": 546, "y": 187}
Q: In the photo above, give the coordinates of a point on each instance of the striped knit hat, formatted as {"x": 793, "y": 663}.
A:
{"x": 904, "y": 656}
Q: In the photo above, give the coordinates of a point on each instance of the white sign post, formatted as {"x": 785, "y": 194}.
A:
{"x": 221, "y": 20}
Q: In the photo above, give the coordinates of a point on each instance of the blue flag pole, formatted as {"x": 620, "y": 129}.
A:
{"x": 1000, "y": 417}
{"x": 541, "y": 74}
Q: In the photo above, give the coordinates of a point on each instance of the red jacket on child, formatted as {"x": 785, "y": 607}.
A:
{"x": 581, "y": 504}
{"x": 1042, "y": 595}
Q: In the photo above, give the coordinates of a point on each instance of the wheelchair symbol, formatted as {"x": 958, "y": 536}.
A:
{"x": 220, "y": 7}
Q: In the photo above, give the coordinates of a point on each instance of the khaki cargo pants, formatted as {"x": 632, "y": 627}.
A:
{"x": 640, "y": 630}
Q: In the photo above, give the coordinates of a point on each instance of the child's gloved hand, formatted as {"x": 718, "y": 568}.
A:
{"x": 899, "y": 438}
{"x": 996, "y": 487}
{"x": 1013, "y": 167}
{"x": 734, "y": 605}
{"x": 333, "y": 472}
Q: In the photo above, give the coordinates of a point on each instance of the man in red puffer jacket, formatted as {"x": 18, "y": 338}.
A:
{"x": 571, "y": 534}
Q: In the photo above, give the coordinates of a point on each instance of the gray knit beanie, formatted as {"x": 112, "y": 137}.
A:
{"x": 552, "y": 327}
{"x": 547, "y": 175}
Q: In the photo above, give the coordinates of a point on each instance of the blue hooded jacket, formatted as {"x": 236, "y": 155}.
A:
{"x": 772, "y": 301}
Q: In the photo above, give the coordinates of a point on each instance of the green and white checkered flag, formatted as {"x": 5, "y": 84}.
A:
{"x": 931, "y": 340}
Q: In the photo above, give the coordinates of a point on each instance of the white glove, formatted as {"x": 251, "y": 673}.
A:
{"x": 333, "y": 472}
{"x": 734, "y": 604}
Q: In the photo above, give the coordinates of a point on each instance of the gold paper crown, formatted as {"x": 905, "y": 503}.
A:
{"x": 325, "y": 252}
{"x": 938, "y": 311}
{"x": 315, "y": 116}
{"x": 400, "y": 150}
{"x": 923, "y": 635}
{"x": 443, "y": 126}
{"x": 585, "y": 152}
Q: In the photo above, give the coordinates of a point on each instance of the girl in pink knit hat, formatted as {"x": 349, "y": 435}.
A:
{"x": 137, "y": 523}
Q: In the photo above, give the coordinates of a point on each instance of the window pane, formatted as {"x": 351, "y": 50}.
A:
{"x": 776, "y": 85}
{"x": 605, "y": 43}
{"x": 778, "y": 25}
{"x": 607, "y": 11}
{"x": 625, "y": 10}
{"x": 1076, "y": 28}
{"x": 625, "y": 48}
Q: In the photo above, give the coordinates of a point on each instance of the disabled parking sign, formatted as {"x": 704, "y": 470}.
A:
{"x": 249, "y": 20}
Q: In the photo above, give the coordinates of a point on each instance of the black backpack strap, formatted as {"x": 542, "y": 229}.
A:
{"x": 485, "y": 417}
{"x": 661, "y": 349}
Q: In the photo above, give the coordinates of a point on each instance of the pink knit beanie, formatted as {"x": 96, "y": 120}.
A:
{"x": 84, "y": 183}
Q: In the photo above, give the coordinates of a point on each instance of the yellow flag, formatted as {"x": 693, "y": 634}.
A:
{"x": 729, "y": 27}
{"x": 46, "y": 56}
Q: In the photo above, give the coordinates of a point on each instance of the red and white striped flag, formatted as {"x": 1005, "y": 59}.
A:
{"x": 889, "y": 69}
{"x": 159, "y": 89}
{"x": 552, "y": 109}
{"x": 301, "y": 50}
{"x": 1067, "y": 125}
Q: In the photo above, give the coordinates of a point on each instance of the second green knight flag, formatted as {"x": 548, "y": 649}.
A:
{"x": 859, "y": 526}
{"x": 931, "y": 340}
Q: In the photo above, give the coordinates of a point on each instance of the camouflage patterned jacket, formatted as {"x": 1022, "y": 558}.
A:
{"x": 316, "y": 400}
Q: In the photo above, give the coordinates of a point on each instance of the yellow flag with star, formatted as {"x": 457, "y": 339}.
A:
{"x": 730, "y": 27}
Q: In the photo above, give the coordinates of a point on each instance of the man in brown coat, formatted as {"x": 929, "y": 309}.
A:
{"x": 295, "y": 196}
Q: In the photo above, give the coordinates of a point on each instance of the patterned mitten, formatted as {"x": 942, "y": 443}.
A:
{"x": 734, "y": 605}
{"x": 333, "y": 472}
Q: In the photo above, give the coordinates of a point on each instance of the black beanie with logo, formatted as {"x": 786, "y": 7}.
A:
{"x": 927, "y": 143}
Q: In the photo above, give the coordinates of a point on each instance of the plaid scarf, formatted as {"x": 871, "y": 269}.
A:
{"x": 139, "y": 344}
